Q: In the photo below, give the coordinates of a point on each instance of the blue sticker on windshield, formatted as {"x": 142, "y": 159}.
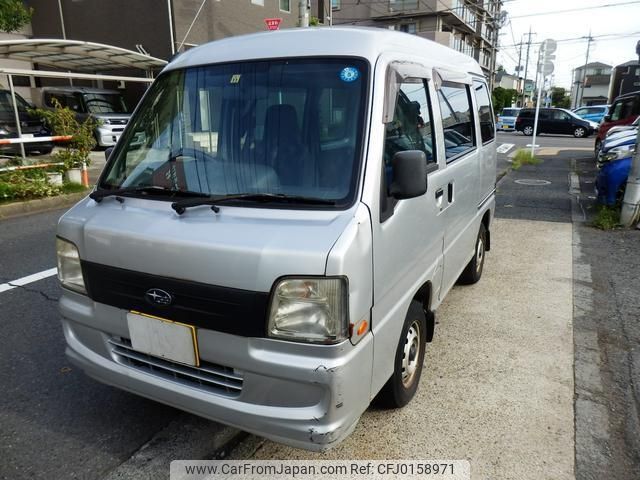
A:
{"x": 349, "y": 74}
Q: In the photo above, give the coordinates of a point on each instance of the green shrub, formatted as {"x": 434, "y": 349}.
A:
{"x": 524, "y": 157}
{"x": 607, "y": 218}
{"x": 25, "y": 184}
{"x": 63, "y": 121}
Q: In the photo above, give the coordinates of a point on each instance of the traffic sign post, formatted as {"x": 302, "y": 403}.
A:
{"x": 272, "y": 23}
{"x": 545, "y": 67}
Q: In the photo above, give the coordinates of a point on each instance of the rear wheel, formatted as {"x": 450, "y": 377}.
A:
{"x": 528, "y": 130}
{"x": 473, "y": 270}
{"x": 597, "y": 148}
{"x": 579, "y": 132}
{"x": 407, "y": 367}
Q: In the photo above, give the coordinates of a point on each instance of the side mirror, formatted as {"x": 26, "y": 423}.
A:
{"x": 107, "y": 153}
{"x": 409, "y": 174}
{"x": 607, "y": 118}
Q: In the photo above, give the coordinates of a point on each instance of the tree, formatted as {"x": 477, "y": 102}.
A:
{"x": 560, "y": 98}
{"x": 14, "y": 15}
{"x": 502, "y": 98}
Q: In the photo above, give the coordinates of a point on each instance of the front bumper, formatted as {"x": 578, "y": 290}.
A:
{"x": 306, "y": 396}
{"x": 107, "y": 135}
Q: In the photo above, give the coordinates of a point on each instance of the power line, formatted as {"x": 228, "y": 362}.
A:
{"x": 553, "y": 12}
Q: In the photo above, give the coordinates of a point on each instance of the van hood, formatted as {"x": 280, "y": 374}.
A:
{"x": 243, "y": 248}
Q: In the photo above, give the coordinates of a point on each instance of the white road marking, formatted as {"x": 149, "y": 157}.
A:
{"x": 20, "y": 282}
{"x": 505, "y": 147}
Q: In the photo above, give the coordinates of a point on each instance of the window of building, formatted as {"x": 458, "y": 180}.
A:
{"x": 408, "y": 28}
{"x": 285, "y": 5}
{"x": 457, "y": 119}
{"x": 485, "y": 112}
{"x": 401, "y": 5}
{"x": 335, "y": 4}
{"x": 258, "y": 2}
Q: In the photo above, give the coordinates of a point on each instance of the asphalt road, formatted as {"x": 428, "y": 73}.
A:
{"x": 57, "y": 423}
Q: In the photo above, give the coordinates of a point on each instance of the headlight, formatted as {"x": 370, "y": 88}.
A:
{"x": 69, "y": 269}
{"x": 105, "y": 121}
{"x": 3, "y": 131}
{"x": 617, "y": 153}
{"x": 312, "y": 310}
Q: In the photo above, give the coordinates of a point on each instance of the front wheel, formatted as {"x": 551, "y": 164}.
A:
{"x": 579, "y": 132}
{"x": 528, "y": 130}
{"x": 597, "y": 148}
{"x": 407, "y": 367}
{"x": 473, "y": 270}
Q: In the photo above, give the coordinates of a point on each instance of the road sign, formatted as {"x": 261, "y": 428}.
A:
{"x": 272, "y": 23}
{"x": 549, "y": 46}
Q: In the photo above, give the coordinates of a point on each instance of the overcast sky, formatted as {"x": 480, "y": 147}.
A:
{"x": 615, "y": 29}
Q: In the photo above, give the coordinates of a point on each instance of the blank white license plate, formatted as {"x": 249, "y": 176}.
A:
{"x": 27, "y": 135}
{"x": 163, "y": 338}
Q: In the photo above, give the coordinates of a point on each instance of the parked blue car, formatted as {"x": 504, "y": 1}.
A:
{"x": 614, "y": 162}
{"x": 507, "y": 119}
{"x": 595, "y": 113}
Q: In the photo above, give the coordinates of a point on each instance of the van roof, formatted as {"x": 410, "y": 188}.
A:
{"x": 71, "y": 89}
{"x": 365, "y": 42}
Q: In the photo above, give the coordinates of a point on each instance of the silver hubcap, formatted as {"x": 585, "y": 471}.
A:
{"x": 528, "y": 130}
{"x": 579, "y": 132}
{"x": 479, "y": 254}
{"x": 411, "y": 354}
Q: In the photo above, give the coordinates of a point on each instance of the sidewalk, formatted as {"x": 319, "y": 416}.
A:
{"x": 497, "y": 388}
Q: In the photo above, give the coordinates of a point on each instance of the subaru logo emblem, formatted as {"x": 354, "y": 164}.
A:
{"x": 24, "y": 124}
{"x": 159, "y": 297}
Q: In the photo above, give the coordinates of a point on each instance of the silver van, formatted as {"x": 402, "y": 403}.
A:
{"x": 107, "y": 107}
{"x": 283, "y": 214}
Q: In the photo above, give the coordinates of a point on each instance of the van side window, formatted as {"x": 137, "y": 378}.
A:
{"x": 457, "y": 119}
{"x": 622, "y": 109}
{"x": 485, "y": 112}
{"x": 410, "y": 129}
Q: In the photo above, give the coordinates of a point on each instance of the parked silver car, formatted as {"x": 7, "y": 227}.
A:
{"x": 107, "y": 107}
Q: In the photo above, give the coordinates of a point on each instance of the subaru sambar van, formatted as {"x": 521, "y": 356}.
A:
{"x": 271, "y": 236}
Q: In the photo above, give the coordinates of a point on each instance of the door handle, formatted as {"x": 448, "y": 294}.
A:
{"x": 450, "y": 193}
{"x": 439, "y": 197}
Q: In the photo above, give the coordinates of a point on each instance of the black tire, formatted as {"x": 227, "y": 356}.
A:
{"x": 46, "y": 151}
{"x": 596, "y": 149}
{"x": 528, "y": 130}
{"x": 473, "y": 270}
{"x": 408, "y": 361}
{"x": 580, "y": 132}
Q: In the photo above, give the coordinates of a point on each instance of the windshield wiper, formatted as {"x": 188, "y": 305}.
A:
{"x": 181, "y": 205}
{"x": 98, "y": 195}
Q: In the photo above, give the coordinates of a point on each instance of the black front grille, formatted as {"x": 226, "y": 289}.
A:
{"x": 223, "y": 309}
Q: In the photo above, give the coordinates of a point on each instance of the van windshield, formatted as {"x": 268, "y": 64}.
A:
{"x": 286, "y": 127}
{"x": 104, "y": 103}
{"x": 510, "y": 112}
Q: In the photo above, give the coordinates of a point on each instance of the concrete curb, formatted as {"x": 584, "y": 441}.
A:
{"x": 185, "y": 438}
{"x": 38, "y": 205}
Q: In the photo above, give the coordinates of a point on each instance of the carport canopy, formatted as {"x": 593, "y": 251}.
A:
{"x": 77, "y": 56}
{"x": 82, "y": 60}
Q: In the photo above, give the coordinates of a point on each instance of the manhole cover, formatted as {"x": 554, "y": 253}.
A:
{"x": 532, "y": 182}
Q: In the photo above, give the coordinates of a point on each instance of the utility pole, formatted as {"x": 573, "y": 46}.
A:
{"x": 538, "y": 66}
{"x": 630, "y": 212}
{"x": 303, "y": 13}
{"x": 584, "y": 72}
{"x": 526, "y": 68}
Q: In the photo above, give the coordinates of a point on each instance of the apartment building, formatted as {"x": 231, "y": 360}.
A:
{"x": 592, "y": 88}
{"x": 469, "y": 26}
{"x": 154, "y": 24}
